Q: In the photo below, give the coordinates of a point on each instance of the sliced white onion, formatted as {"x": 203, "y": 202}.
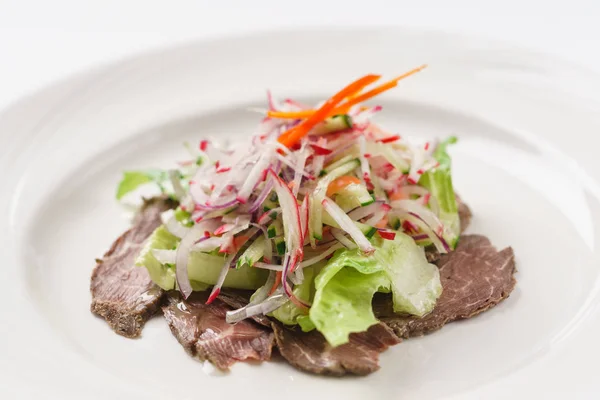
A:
{"x": 362, "y": 212}
{"x": 222, "y": 275}
{"x": 175, "y": 228}
{"x": 183, "y": 253}
{"x": 364, "y": 164}
{"x": 270, "y": 304}
{"x": 326, "y": 253}
{"x": 176, "y": 183}
{"x": 292, "y": 224}
{"x": 414, "y": 190}
{"x": 255, "y": 175}
{"x": 304, "y": 217}
{"x": 238, "y": 219}
{"x": 165, "y": 256}
{"x": 319, "y": 161}
{"x": 347, "y": 225}
{"x": 422, "y": 211}
{"x": 301, "y": 156}
{"x": 340, "y": 237}
{"x": 293, "y": 166}
{"x": 272, "y": 267}
{"x": 208, "y": 245}
{"x": 263, "y": 292}
{"x": 378, "y": 216}
{"x": 166, "y": 216}
{"x": 438, "y": 241}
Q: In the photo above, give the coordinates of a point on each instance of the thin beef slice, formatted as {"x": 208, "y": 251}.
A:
{"x": 203, "y": 332}
{"x": 309, "y": 351}
{"x": 123, "y": 294}
{"x": 475, "y": 277}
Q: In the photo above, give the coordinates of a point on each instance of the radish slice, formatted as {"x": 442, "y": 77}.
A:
{"x": 320, "y": 257}
{"x": 272, "y": 267}
{"x": 183, "y": 253}
{"x": 217, "y": 288}
{"x": 387, "y": 235}
{"x": 422, "y": 211}
{"x": 165, "y": 256}
{"x": 347, "y": 225}
{"x": 362, "y": 212}
{"x": 270, "y": 304}
{"x": 174, "y": 177}
{"x": 176, "y": 229}
{"x": 340, "y": 237}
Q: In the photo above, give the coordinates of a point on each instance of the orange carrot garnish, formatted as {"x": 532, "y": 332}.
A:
{"x": 276, "y": 283}
{"x": 351, "y": 100}
{"x": 293, "y": 136}
{"x": 374, "y": 92}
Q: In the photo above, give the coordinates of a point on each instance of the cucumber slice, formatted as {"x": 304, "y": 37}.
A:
{"x": 352, "y": 196}
{"x": 253, "y": 253}
{"x": 275, "y": 229}
{"x": 394, "y": 222}
{"x": 268, "y": 205}
{"x": 337, "y": 164}
{"x": 315, "y": 224}
{"x": 280, "y": 245}
{"x": 367, "y": 230}
{"x": 387, "y": 151}
{"x": 333, "y": 124}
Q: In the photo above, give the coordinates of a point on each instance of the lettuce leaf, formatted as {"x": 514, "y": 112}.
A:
{"x": 345, "y": 287}
{"x": 134, "y": 179}
{"x": 161, "y": 274}
{"x": 439, "y": 182}
{"x": 344, "y": 304}
{"x": 289, "y": 313}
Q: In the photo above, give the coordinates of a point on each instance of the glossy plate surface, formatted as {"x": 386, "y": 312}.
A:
{"x": 526, "y": 163}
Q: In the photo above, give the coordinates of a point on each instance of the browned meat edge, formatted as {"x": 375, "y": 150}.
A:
{"x": 310, "y": 351}
{"x": 123, "y": 294}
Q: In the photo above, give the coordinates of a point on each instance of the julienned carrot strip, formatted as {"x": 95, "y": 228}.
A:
{"x": 291, "y": 114}
{"x": 293, "y": 135}
{"x": 374, "y": 92}
{"x": 350, "y": 99}
{"x": 276, "y": 283}
{"x": 295, "y": 114}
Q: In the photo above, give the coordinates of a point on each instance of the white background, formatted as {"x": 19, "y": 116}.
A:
{"x": 45, "y": 40}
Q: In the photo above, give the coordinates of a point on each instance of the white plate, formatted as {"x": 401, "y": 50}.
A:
{"x": 526, "y": 163}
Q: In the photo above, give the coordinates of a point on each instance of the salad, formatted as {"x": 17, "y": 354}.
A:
{"x": 318, "y": 210}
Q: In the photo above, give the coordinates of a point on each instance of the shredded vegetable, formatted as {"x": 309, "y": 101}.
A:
{"x": 308, "y": 184}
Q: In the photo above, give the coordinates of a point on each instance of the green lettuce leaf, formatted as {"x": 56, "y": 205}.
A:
{"x": 289, "y": 313}
{"x": 161, "y": 274}
{"x": 439, "y": 183}
{"x": 415, "y": 283}
{"x": 345, "y": 286}
{"x": 134, "y": 179}
{"x": 344, "y": 305}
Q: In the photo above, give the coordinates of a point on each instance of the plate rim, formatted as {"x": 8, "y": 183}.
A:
{"x": 75, "y": 79}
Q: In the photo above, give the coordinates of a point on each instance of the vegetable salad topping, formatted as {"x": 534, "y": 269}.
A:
{"x": 316, "y": 211}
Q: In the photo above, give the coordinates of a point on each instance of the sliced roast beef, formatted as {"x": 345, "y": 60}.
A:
{"x": 203, "y": 332}
{"x": 122, "y": 293}
{"x": 474, "y": 277}
{"x": 310, "y": 351}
